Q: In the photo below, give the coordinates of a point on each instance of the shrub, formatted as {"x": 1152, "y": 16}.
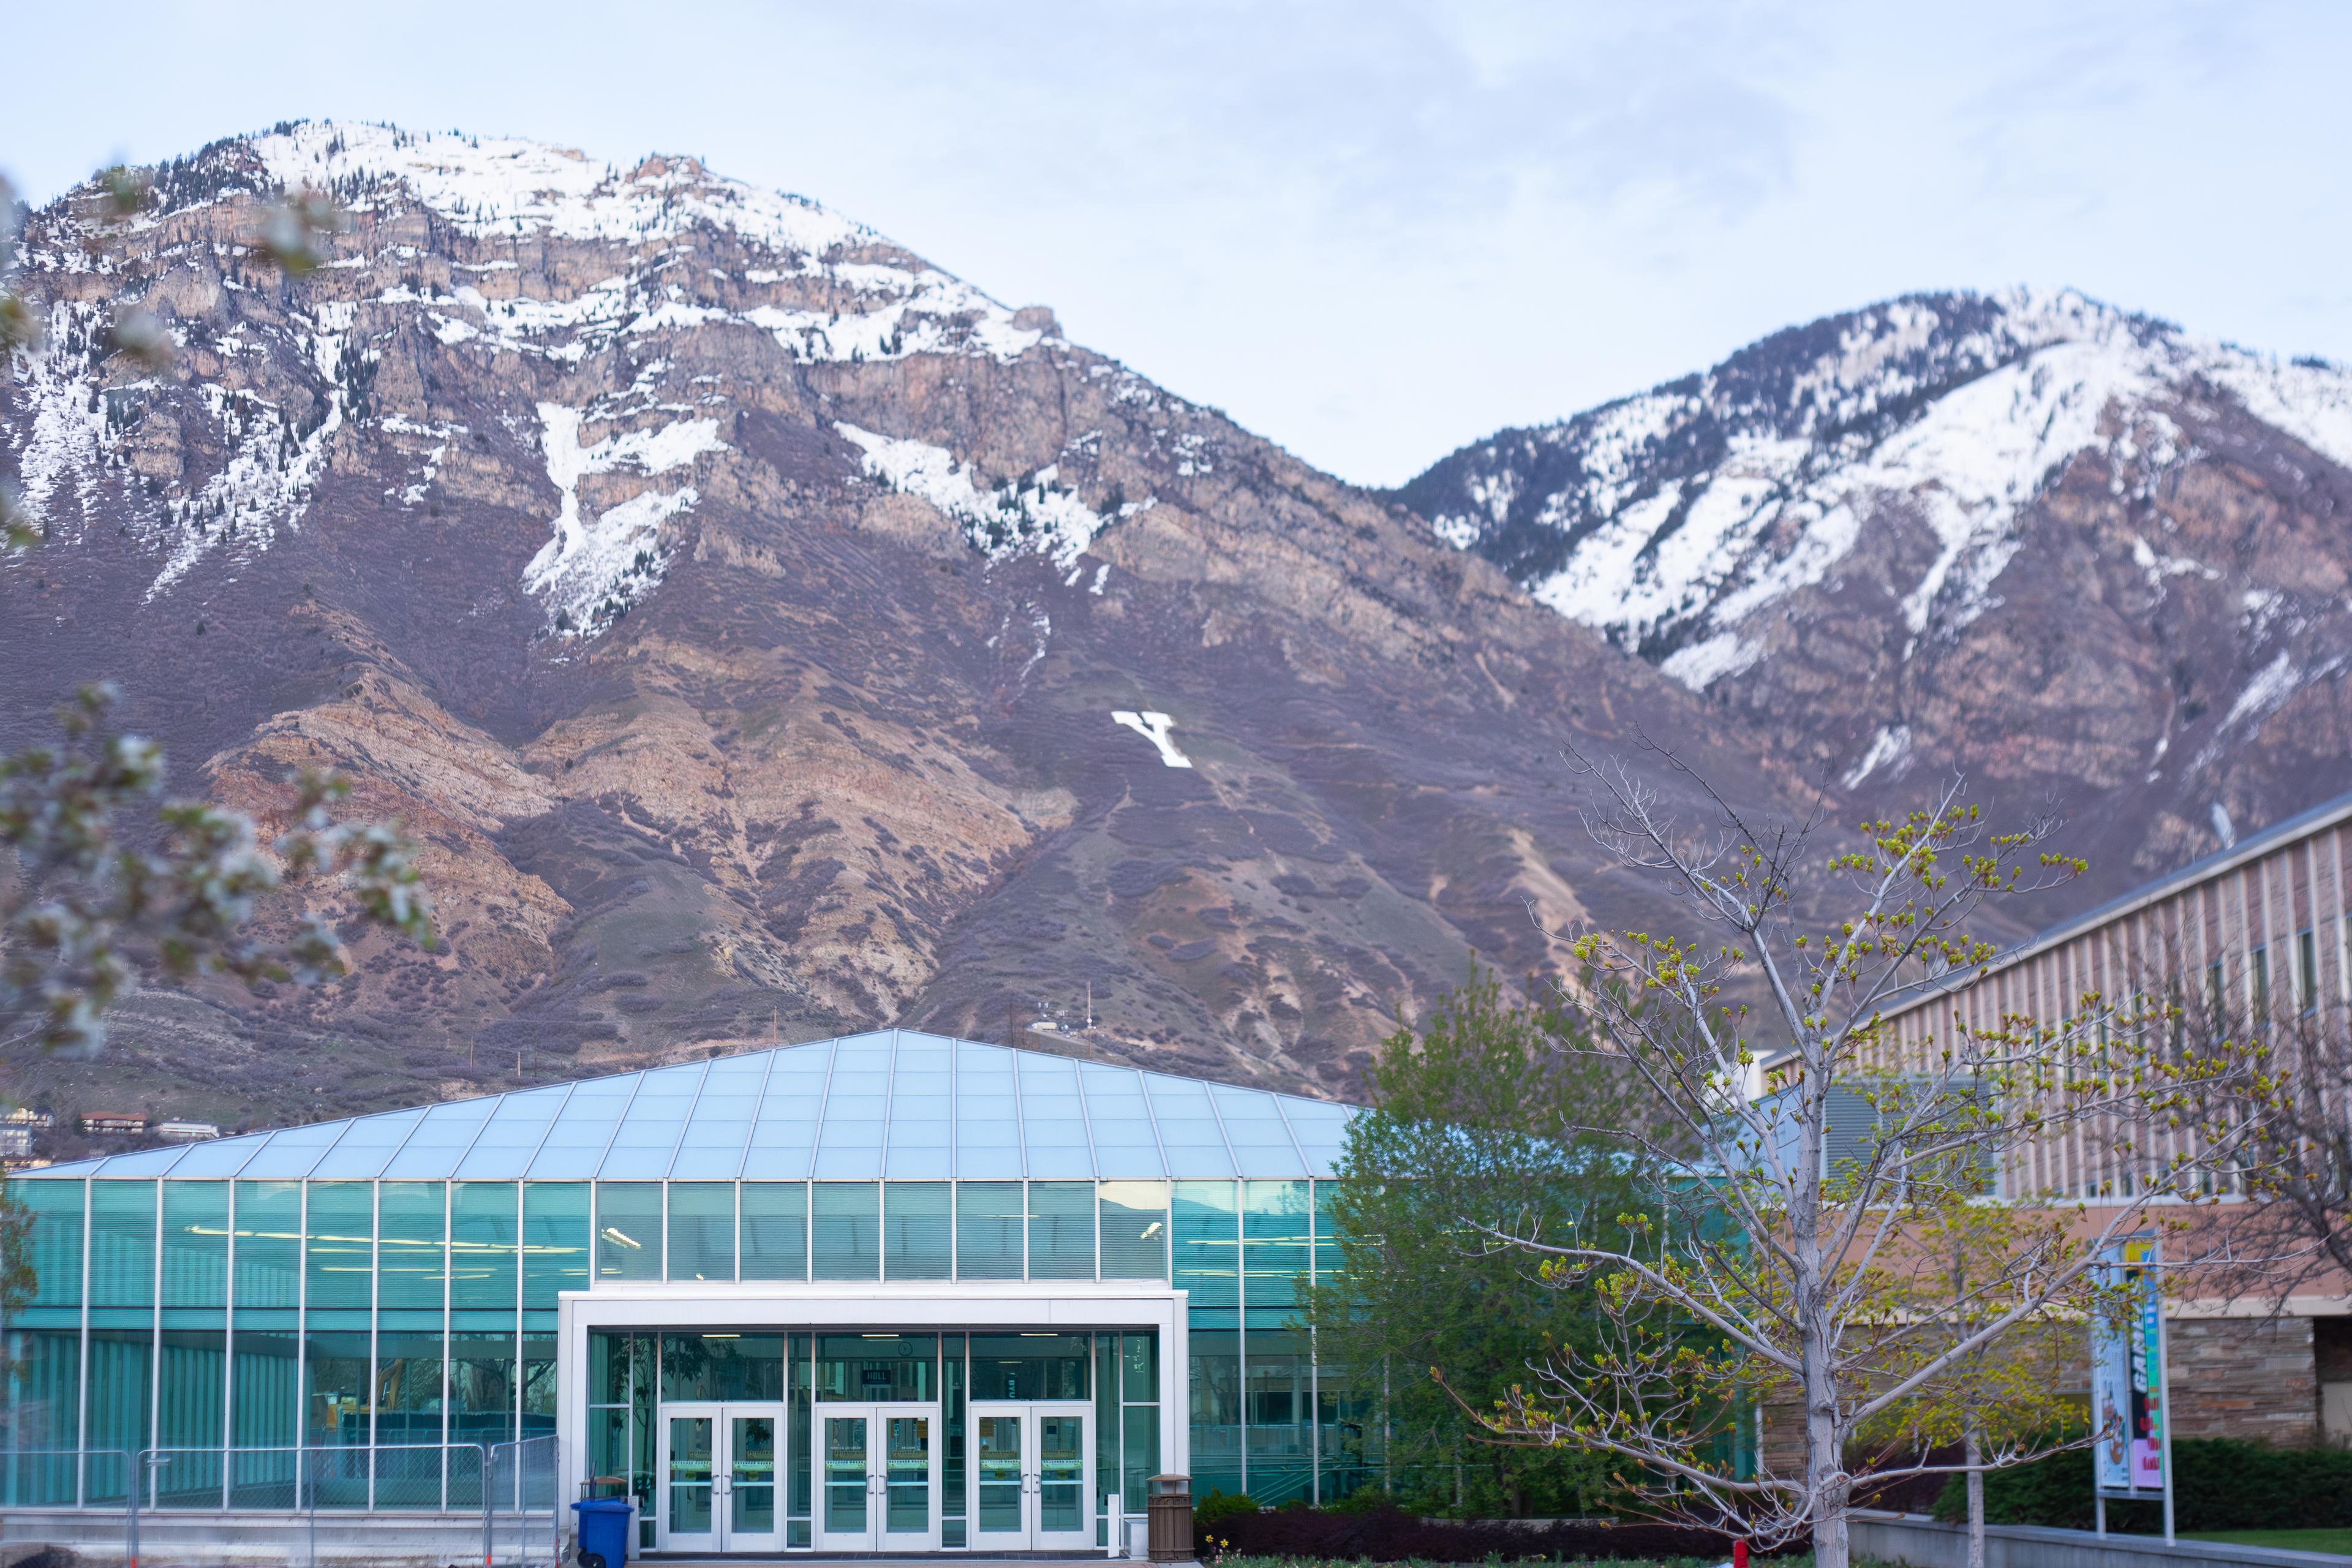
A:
{"x": 1217, "y": 1507}
{"x": 1391, "y": 1535}
{"x": 2223, "y": 1483}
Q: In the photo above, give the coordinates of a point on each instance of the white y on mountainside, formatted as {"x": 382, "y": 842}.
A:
{"x": 1693, "y": 551}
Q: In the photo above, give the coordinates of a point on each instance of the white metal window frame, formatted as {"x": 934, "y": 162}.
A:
{"x": 936, "y": 1306}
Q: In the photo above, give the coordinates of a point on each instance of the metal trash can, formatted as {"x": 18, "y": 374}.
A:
{"x": 1172, "y": 1519}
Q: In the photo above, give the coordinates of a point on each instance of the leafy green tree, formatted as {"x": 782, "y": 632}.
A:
{"x": 1432, "y": 1319}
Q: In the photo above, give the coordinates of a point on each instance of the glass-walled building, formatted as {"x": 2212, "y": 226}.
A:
{"x": 890, "y": 1292}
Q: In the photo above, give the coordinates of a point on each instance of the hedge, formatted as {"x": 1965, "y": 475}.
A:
{"x": 2222, "y": 1483}
{"x": 1392, "y": 1535}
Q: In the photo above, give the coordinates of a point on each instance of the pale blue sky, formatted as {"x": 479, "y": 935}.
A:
{"x": 1370, "y": 231}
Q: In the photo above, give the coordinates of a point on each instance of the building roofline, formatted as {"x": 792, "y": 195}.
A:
{"x": 2326, "y": 814}
{"x": 90, "y": 1164}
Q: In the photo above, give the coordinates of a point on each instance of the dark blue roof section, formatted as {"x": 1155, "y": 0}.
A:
{"x": 891, "y": 1105}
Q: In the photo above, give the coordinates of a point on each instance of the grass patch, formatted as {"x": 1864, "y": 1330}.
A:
{"x": 2337, "y": 1541}
{"x": 1237, "y": 1560}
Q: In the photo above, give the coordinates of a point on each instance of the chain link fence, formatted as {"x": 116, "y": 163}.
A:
{"x": 511, "y": 1487}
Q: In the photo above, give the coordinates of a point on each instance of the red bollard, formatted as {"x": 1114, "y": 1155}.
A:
{"x": 1740, "y": 1554}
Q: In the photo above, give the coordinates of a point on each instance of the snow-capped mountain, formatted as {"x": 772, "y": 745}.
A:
{"x": 687, "y": 249}
{"x": 765, "y": 630}
{"x": 2028, "y": 536}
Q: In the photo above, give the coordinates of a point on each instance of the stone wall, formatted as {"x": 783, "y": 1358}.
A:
{"x": 2245, "y": 1377}
{"x": 2231, "y": 1377}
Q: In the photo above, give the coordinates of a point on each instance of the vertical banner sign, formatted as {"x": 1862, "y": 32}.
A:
{"x": 2127, "y": 1377}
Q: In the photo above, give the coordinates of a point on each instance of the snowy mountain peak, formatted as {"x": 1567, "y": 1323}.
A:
{"x": 511, "y": 187}
{"x": 1670, "y": 519}
{"x": 568, "y": 280}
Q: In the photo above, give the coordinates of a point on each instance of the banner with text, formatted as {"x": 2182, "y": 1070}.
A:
{"x": 2127, "y": 1375}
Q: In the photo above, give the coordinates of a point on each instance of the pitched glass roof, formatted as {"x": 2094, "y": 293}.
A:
{"x": 891, "y": 1105}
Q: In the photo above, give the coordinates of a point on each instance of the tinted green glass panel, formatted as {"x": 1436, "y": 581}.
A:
{"x": 46, "y": 1412}
{"x": 408, "y": 1384}
{"x": 410, "y": 1260}
{"x": 608, "y": 1369}
{"x": 1275, "y": 1250}
{"x": 483, "y": 1227}
{"x": 1326, "y": 1234}
{"x": 1207, "y": 1246}
{"x": 917, "y": 1235}
{"x": 846, "y": 1224}
{"x": 955, "y": 1418}
{"x": 481, "y": 1392}
{"x": 268, "y": 1255}
{"x": 990, "y": 1222}
{"x": 702, "y": 1230}
{"x": 121, "y": 1244}
{"x": 195, "y": 1245}
{"x": 263, "y": 1390}
{"x": 1061, "y": 1230}
{"x": 797, "y": 1452}
{"x": 336, "y": 1389}
{"x": 120, "y": 1364}
{"x": 55, "y": 1210}
{"x": 1139, "y": 1368}
{"x": 722, "y": 1366}
{"x": 1139, "y": 1456}
{"x": 774, "y": 1230}
{"x": 1134, "y": 1230}
{"x": 554, "y": 1240}
{"x": 1029, "y": 1366}
{"x": 340, "y": 1264}
{"x": 1106, "y": 1420}
{"x": 1278, "y": 1407}
{"x": 1216, "y": 1413}
{"x": 191, "y": 1402}
{"x": 628, "y": 1230}
{"x": 538, "y": 1385}
{"x": 876, "y": 1366}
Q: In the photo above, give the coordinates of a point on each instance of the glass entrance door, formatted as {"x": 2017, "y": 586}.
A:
{"x": 719, "y": 1473}
{"x": 879, "y": 1480}
{"x": 1031, "y": 1476}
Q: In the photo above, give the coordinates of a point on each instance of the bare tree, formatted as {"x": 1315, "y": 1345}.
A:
{"x": 1778, "y": 1265}
{"x": 2277, "y": 1077}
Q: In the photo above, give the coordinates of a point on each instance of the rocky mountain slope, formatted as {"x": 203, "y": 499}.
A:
{"x": 2084, "y": 556}
{"x": 766, "y": 632}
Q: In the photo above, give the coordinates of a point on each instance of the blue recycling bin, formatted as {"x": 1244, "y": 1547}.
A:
{"x": 604, "y": 1529}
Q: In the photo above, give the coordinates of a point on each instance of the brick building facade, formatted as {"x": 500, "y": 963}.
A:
{"x": 2261, "y": 929}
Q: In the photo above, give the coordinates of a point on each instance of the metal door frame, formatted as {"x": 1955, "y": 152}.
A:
{"x": 687, "y": 1410}
{"x": 1034, "y": 1536}
{"x": 722, "y": 1415}
{"x": 878, "y": 1536}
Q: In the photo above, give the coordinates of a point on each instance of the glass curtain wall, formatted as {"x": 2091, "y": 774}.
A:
{"x": 232, "y": 1322}
{"x": 365, "y": 1316}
